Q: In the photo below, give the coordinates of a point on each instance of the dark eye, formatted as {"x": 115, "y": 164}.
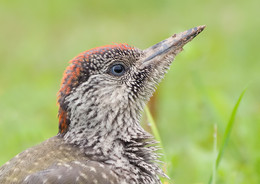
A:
{"x": 117, "y": 69}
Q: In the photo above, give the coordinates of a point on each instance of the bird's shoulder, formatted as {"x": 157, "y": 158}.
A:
{"x": 50, "y": 160}
{"x": 87, "y": 172}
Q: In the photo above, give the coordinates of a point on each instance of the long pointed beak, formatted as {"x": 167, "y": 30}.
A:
{"x": 172, "y": 45}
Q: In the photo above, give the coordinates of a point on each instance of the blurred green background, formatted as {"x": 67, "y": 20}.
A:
{"x": 38, "y": 38}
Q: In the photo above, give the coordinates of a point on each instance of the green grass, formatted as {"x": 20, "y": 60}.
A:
{"x": 213, "y": 177}
{"x": 157, "y": 136}
{"x": 38, "y": 38}
{"x": 226, "y": 138}
{"x": 217, "y": 156}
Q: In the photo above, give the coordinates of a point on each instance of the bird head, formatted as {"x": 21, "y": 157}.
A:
{"x": 109, "y": 85}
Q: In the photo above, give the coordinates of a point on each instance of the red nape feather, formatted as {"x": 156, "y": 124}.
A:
{"x": 63, "y": 124}
{"x": 72, "y": 73}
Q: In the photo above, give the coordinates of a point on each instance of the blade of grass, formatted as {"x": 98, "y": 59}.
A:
{"x": 153, "y": 125}
{"x": 215, "y": 153}
{"x": 227, "y": 133}
{"x": 158, "y": 138}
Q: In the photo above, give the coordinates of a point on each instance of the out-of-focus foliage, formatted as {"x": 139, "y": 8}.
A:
{"x": 38, "y": 38}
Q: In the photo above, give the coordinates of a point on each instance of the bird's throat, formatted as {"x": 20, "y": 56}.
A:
{"x": 117, "y": 139}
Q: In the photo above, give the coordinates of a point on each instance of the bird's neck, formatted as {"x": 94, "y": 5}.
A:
{"x": 107, "y": 129}
{"x": 114, "y": 137}
{"x": 103, "y": 133}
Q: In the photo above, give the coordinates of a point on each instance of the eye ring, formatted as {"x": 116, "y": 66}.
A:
{"x": 117, "y": 69}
